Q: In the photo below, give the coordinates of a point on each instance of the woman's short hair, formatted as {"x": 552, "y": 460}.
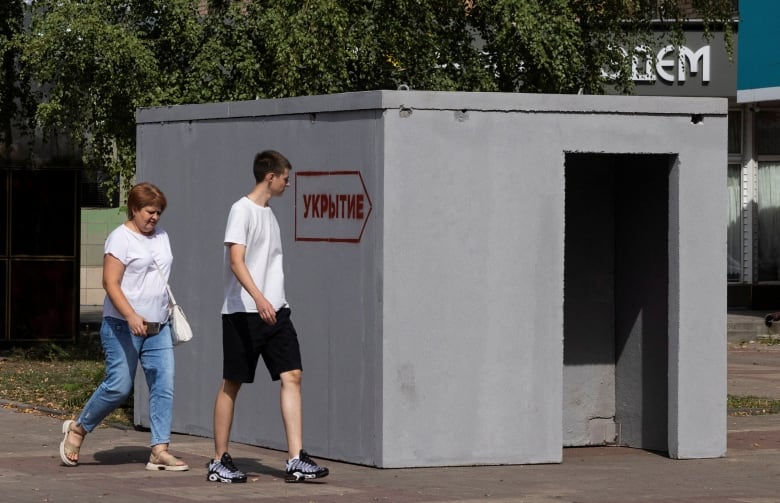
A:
{"x": 142, "y": 195}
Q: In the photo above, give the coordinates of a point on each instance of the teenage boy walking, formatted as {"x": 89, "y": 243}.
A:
{"x": 256, "y": 321}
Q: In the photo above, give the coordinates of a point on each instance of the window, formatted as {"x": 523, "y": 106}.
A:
{"x": 767, "y": 142}
{"x": 93, "y": 192}
{"x": 768, "y": 220}
{"x": 735, "y": 131}
{"x": 734, "y": 232}
{"x": 768, "y": 132}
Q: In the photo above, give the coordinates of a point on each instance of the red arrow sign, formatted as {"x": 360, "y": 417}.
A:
{"x": 330, "y": 206}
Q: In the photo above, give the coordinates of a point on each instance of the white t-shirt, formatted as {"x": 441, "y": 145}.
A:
{"x": 142, "y": 284}
{"x": 256, "y": 228}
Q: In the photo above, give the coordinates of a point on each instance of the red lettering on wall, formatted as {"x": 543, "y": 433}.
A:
{"x": 333, "y": 206}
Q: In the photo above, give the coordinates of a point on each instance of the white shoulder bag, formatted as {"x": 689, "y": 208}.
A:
{"x": 180, "y": 327}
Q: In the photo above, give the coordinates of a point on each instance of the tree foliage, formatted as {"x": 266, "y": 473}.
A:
{"x": 97, "y": 61}
{"x": 15, "y": 105}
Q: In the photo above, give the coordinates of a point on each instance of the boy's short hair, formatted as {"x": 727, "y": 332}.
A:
{"x": 269, "y": 161}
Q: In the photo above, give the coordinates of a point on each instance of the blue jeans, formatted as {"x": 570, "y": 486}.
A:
{"x": 123, "y": 351}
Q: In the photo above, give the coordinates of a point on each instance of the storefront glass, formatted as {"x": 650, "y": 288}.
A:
{"x": 768, "y": 194}
{"x": 734, "y": 234}
{"x": 768, "y": 220}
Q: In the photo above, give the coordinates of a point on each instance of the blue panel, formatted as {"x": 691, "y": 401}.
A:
{"x": 758, "y": 61}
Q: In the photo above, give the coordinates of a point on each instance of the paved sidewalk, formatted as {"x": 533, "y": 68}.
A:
{"x": 112, "y": 467}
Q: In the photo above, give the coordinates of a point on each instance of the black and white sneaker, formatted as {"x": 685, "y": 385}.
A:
{"x": 303, "y": 468}
{"x": 224, "y": 471}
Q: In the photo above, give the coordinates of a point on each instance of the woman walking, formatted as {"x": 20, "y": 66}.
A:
{"x": 136, "y": 264}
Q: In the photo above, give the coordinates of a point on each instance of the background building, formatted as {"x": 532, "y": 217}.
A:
{"x": 705, "y": 68}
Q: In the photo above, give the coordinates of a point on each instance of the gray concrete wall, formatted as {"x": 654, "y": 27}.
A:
{"x": 472, "y": 312}
{"x": 205, "y": 165}
{"x": 438, "y": 338}
{"x": 697, "y": 300}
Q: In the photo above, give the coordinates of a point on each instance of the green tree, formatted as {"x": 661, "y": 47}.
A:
{"x": 569, "y": 46}
{"x": 425, "y": 45}
{"x": 270, "y": 49}
{"x": 281, "y": 48}
{"x": 228, "y": 65}
{"x": 100, "y": 60}
{"x": 15, "y": 104}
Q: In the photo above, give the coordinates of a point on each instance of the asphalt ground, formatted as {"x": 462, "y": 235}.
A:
{"x": 113, "y": 459}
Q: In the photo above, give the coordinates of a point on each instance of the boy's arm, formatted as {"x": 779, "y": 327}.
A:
{"x": 238, "y": 266}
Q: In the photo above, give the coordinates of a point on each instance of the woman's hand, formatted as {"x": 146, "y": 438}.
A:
{"x": 136, "y": 323}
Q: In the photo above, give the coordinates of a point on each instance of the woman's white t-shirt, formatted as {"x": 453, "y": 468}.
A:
{"x": 256, "y": 228}
{"x": 142, "y": 284}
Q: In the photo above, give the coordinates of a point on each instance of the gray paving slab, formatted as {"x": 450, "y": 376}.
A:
{"x": 112, "y": 466}
{"x": 112, "y": 469}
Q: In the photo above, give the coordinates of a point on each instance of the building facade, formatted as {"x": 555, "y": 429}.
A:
{"x": 704, "y": 67}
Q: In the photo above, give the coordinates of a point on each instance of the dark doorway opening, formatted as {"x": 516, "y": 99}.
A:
{"x": 616, "y": 276}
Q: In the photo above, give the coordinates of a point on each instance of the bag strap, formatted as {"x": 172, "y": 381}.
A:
{"x": 167, "y": 286}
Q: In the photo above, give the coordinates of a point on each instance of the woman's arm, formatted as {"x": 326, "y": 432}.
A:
{"x": 113, "y": 270}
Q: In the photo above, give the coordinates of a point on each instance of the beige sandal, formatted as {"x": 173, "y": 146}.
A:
{"x": 166, "y": 461}
{"x": 68, "y": 448}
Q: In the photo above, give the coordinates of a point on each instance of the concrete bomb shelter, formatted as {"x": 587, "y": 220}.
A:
{"x": 476, "y": 278}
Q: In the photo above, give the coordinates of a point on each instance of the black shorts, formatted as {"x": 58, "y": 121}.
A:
{"x": 245, "y": 337}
